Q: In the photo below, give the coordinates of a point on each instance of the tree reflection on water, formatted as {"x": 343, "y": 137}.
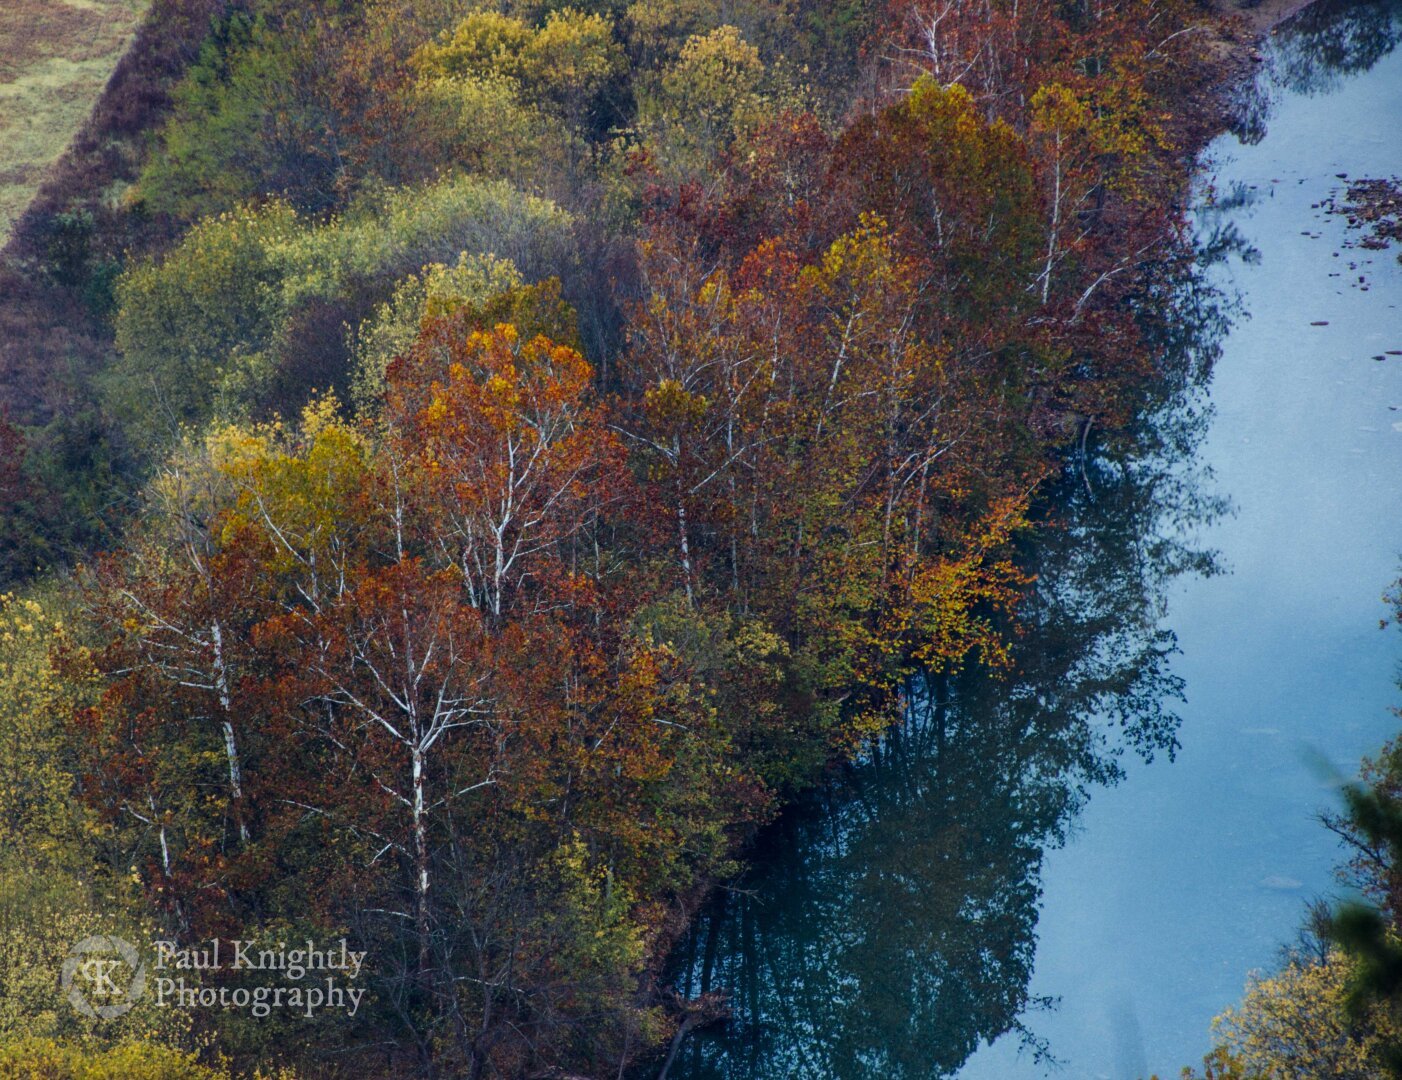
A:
{"x": 1312, "y": 53}
{"x": 888, "y": 925}
{"x": 1317, "y": 49}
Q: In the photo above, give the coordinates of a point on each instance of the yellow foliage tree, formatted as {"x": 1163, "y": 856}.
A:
{"x": 1292, "y": 1026}
{"x": 708, "y": 96}
{"x": 39, "y": 816}
{"x": 52, "y": 893}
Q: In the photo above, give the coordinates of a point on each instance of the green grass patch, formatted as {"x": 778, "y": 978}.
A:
{"x": 55, "y": 58}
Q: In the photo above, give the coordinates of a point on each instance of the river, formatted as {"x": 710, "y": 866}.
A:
{"x": 1005, "y": 888}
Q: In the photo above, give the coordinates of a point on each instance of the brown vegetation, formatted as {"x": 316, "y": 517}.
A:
{"x": 48, "y": 330}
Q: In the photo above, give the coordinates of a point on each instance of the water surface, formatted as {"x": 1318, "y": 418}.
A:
{"x": 978, "y": 898}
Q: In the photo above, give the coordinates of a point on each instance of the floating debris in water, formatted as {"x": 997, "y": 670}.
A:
{"x": 1321, "y": 322}
{"x": 1373, "y": 205}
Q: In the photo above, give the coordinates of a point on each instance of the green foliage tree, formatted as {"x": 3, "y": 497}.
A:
{"x": 483, "y": 123}
{"x": 1366, "y": 933}
{"x": 257, "y": 115}
{"x": 181, "y": 319}
{"x": 212, "y": 326}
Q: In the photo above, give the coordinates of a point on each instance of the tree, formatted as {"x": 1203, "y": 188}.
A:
{"x": 39, "y": 820}
{"x": 572, "y": 61}
{"x": 180, "y": 320}
{"x": 179, "y": 611}
{"x": 20, "y": 537}
{"x": 257, "y": 115}
{"x": 964, "y": 187}
{"x": 484, "y": 124}
{"x": 485, "y": 42}
{"x": 229, "y": 322}
{"x": 394, "y": 673}
{"x": 1366, "y": 934}
{"x": 702, "y": 101}
{"x": 1085, "y": 141}
{"x": 1293, "y": 1025}
{"x": 478, "y": 293}
{"x": 508, "y": 439}
{"x": 443, "y": 736}
{"x": 570, "y": 64}
{"x": 800, "y": 436}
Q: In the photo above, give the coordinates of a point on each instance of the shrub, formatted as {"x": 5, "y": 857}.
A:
{"x": 250, "y": 311}
{"x": 45, "y": 1059}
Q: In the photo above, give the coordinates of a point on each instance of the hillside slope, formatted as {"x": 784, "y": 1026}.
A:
{"x": 55, "y": 58}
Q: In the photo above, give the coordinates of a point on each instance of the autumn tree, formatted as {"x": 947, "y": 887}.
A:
{"x": 802, "y": 435}
{"x": 1086, "y": 141}
{"x": 1294, "y": 1025}
{"x": 964, "y": 187}
{"x": 509, "y": 441}
{"x": 703, "y": 100}
{"x": 570, "y": 64}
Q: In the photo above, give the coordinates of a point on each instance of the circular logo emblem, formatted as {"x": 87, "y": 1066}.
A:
{"x": 104, "y": 976}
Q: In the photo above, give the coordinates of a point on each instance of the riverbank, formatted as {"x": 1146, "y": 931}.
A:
{"x": 1238, "y": 40}
{"x": 1137, "y": 953}
{"x": 1236, "y": 50}
{"x": 1263, "y": 16}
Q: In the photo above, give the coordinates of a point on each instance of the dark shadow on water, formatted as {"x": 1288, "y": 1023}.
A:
{"x": 1316, "y": 50}
{"x": 888, "y": 925}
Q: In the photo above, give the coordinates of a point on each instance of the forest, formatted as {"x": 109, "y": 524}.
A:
{"x": 465, "y": 467}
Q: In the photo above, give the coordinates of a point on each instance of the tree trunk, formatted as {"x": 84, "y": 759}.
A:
{"x": 421, "y": 876}
{"x": 231, "y": 750}
{"x": 685, "y": 549}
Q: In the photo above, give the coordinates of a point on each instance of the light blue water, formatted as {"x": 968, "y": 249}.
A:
{"x": 1188, "y": 875}
{"x": 895, "y": 928}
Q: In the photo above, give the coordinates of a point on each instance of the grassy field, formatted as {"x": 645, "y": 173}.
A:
{"x": 55, "y": 58}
